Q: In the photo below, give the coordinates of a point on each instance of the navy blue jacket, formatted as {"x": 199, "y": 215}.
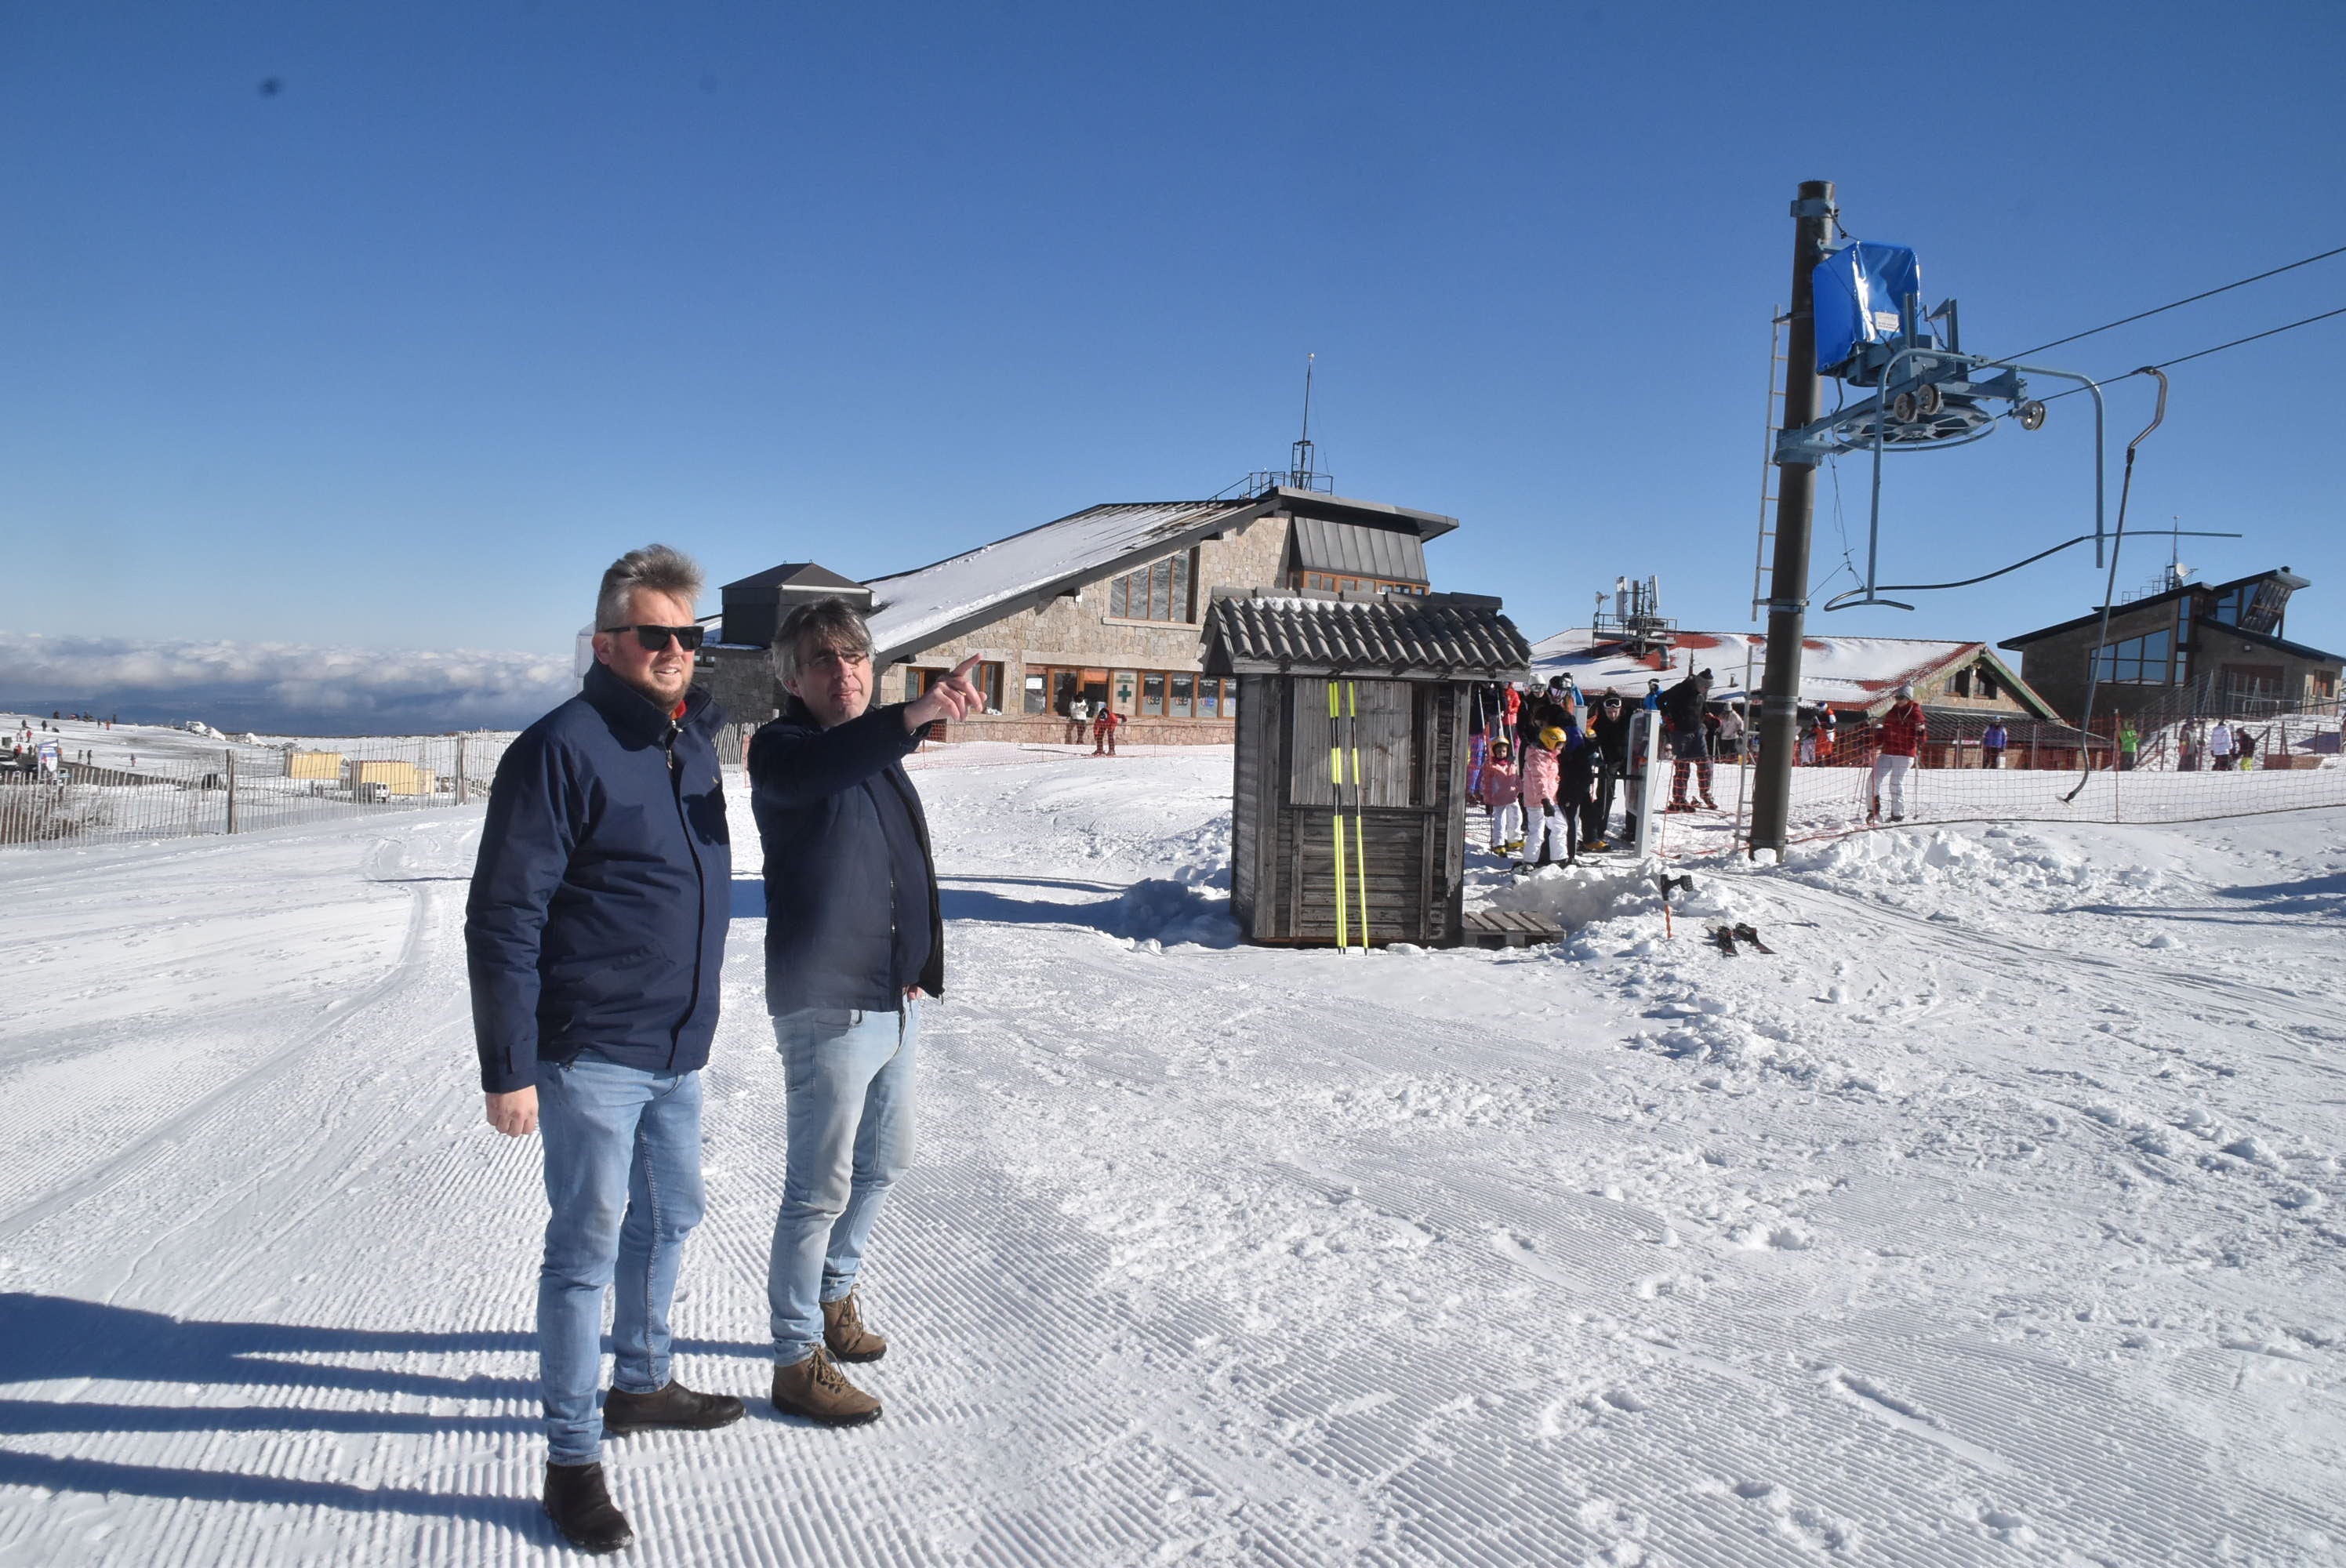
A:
{"x": 832, "y": 936}
{"x": 603, "y": 889}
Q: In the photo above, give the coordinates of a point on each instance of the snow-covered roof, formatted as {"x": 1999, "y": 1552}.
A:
{"x": 931, "y": 604}
{"x": 951, "y": 597}
{"x": 1847, "y": 672}
{"x": 1439, "y": 636}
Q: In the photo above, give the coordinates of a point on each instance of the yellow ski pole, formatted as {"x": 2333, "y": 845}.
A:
{"x": 1360, "y": 846}
{"x": 1336, "y": 785}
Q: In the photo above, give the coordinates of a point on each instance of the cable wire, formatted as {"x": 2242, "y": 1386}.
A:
{"x": 2252, "y": 337}
{"x": 2192, "y": 300}
{"x": 2219, "y": 348}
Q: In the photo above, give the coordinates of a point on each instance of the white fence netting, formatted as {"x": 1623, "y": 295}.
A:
{"x": 100, "y": 790}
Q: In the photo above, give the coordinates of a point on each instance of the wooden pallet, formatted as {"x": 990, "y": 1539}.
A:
{"x": 1509, "y": 928}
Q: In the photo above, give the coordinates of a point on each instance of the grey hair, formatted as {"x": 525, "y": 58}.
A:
{"x": 835, "y": 623}
{"x": 656, "y": 567}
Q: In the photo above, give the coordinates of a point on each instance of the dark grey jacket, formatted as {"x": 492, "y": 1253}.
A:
{"x": 842, "y": 826}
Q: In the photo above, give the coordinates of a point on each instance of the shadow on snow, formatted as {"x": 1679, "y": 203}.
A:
{"x": 48, "y": 1338}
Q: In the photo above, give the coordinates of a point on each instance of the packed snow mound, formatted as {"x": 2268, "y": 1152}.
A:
{"x": 1583, "y": 895}
{"x": 1167, "y": 913}
{"x": 1999, "y": 858}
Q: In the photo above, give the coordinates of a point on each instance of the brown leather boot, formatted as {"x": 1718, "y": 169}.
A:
{"x": 844, "y": 1333}
{"x": 817, "y": 1389}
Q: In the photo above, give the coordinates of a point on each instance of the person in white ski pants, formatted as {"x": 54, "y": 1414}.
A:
{"x": 1544, "y": 831}
{"x": 1548, "y": 836}
{"x": 1891, "y": 771}
{"x": 1503, "y": 792}
{"x": 1899, "y": 735}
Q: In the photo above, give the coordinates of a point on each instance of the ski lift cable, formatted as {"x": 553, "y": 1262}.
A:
{"x": 2219, "y": 348}
{"x": 1839, "y": 527}
{"x": 2178, "y": 304}
{"x": 2031, "y": 561}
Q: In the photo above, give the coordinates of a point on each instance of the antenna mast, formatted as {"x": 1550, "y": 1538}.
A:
{"x": 1300, "y": 465}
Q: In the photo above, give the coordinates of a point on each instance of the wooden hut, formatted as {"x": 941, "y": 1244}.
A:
{"x": 1348, "y": 813}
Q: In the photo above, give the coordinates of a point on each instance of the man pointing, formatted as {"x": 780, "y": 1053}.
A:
{"x": 855, "y": 942}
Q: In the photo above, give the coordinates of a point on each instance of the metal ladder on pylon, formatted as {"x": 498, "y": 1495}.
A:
{"x": 1763, "y": 563}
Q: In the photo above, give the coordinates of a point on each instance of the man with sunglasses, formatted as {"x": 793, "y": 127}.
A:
{"x": 594, "y": 935}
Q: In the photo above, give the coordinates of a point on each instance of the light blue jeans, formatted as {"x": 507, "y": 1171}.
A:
{"x": 850, "y": 1120}
{"x": 623, "y": 1177}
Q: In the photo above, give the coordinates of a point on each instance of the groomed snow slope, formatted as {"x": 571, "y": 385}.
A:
{"x": 1995, "y": 1221}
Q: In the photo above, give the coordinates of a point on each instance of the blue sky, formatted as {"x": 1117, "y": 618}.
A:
{"x": 401, "y": 353}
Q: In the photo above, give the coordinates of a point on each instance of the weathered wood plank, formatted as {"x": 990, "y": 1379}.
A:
{"x": 1508, "y": 928}
{"x": 1381, "y": 733}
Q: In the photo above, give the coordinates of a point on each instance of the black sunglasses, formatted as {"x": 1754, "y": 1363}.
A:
{"x": 652, "y": 639}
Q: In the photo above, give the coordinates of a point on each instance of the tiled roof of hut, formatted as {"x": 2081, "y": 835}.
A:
{"x": 1431, "y": 636}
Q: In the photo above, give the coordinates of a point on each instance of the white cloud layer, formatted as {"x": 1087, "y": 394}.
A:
{"x": 285, "y": 687}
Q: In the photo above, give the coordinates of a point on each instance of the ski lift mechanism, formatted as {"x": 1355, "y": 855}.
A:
{"x": 1872, "y": 331}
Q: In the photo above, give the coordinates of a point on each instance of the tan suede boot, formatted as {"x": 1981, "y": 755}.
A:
{"x": 844, "y": 1333}
{"x": 817, "y": 1389}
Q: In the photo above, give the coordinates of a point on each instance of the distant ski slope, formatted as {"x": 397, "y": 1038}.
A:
{"x": 2006, "y": 1236}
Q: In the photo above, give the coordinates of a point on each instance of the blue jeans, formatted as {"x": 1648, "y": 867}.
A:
{"x": 850, "y": 1119}
{"x": 623, "y": 1178}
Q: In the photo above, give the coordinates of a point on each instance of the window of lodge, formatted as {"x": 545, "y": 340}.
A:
{"x": 1179, "y": 694}
{"x": 2136, "y": 661}
{"x": 1156, "y": 592}
{"x": 1151, "y": 694}
{"x": 988, "y": 676}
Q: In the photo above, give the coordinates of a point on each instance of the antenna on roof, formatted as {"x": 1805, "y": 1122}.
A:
{"x": 2176, "y": 570}
{"x": 1302, "y": 471}
{"x": 1300, "y": 468}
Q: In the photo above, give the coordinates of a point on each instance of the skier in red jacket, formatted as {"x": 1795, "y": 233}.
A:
{"x": 1898, "y": 742}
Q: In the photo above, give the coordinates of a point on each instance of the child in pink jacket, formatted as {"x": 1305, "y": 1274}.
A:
{"x": 1541, "y": 773}
{"x": 1502, "y": 790}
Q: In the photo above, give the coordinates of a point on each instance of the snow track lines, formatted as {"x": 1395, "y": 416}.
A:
{"x": 157, "y": 1141}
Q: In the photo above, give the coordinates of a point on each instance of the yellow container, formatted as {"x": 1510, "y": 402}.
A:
{"x": 393, "y": 778}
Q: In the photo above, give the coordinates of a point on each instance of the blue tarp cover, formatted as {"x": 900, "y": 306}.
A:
{"x": 1858, "y": 290}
